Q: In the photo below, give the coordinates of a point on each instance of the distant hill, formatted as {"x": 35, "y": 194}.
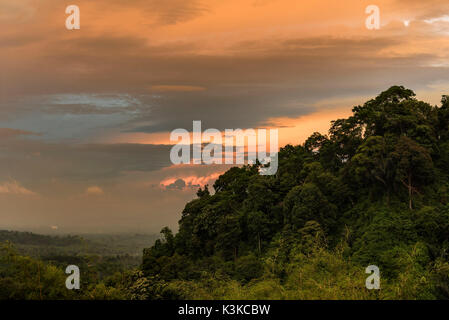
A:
{"x": 105, "y": 244}
{"x": 29, "y": 238}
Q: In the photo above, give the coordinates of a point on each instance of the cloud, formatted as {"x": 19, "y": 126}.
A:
{"x": 422, "y": 9}
{"x": 255, "y": 79}
{"x": 94, "y": 190}
{"x": 179, "y": 184}
{"x": 16, "y": 10}
{"x": 94, "y": 104}
{"x": 18, "y": 40}
{"x": 167, "y": 12}
{"x": 190, "y": 181}
{"x": 174, "y": 11}
{"x": 8, "y": 133}
{"x": 79, "y": 162}
{"x": 444, "y": 18}
{"x": 146, "y": 67}
{"x": 13, "y": 187}
{"x": 176, "y": 88}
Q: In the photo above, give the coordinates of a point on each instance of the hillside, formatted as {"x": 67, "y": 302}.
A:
{"x": 373, "y": 191}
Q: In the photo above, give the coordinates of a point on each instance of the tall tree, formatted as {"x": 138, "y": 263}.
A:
{"x": 414, "y": 166}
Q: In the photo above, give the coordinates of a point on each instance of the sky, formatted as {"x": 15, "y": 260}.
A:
{"x": 86, "y": 115}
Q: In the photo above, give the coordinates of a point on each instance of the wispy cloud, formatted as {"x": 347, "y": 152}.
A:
{"x": 14, "y": 187}
{"x": 8, "y": 133}
{"x": 94, "y": 190}
{"x": 176, "y": 88}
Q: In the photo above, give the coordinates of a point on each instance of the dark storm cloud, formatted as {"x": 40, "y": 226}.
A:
{"x": 220, "y": 110}
{"x": 253, "y": 82}
{"x": 35, "y": 162}
{"x": 245, "y": 90}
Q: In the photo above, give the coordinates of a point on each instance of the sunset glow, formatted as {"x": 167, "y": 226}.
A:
{"x": 87, "y": 114}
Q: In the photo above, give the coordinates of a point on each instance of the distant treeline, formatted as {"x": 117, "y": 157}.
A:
{"x": 28, "y": 238}
{"x": 32, "y": 266}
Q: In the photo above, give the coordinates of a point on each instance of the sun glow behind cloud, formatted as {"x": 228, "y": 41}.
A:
{"x": 191, "y": 181}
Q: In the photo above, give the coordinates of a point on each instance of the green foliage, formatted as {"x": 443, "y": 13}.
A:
{"x": 26, "y": 278}
{"x": 372, "y": 191}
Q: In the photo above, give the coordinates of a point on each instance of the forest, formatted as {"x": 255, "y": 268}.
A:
{"x": 372, "y": 191}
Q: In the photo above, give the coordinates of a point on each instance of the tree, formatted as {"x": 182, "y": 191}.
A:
{"x": 259, "y": 227}
{"x": 414, "y": 166}
{"x": 371, "y": 164}
{"x": 307, "y": 202}
{"x": 443, "y": 119}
